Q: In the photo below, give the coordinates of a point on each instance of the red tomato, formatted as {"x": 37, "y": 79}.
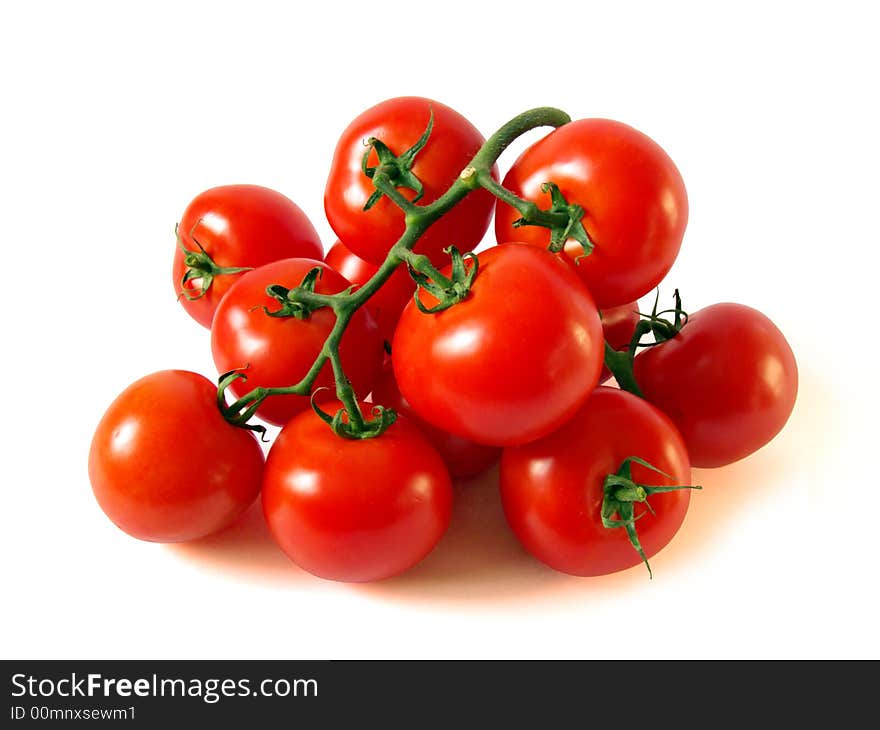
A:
{"x": 399, "y": 123}
{"x": 464, "y": 458}
{"x": 635, "y": 202}
{"x": 239, "y": 226}
{"x": 276, "y": 352}
{"x": 164, "y": 464}
{"x": 552, "y": 489}
{"x": 618, "y": 326}
{"x": 728, "y": 380}
{"x": 387, "y": 303}
{"x": 355, "y": 510}
{"x": 510, "y": 363}
{"x": 619, "y": 323}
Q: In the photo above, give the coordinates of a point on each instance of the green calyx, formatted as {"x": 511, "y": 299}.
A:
{"x": 447, "y": 290}
{"x": 620, "y": 362}
{"x": 236, "y": 417}
{"x": 568, "y": 222}
{"x": 342, "y": 425}
{"x": 397, "y": 170}
{"x": 661, "y": 328}
{"x": 300, "y": 301}
{"x": 621, "y": 494}
{"x": 200, "y": 266}
{"x": 292, "y": 306}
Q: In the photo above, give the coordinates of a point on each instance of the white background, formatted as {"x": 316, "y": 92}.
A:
{"x": 115, "y": 115}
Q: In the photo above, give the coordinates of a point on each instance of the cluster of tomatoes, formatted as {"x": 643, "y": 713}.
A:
{"x": 593, "y": 478}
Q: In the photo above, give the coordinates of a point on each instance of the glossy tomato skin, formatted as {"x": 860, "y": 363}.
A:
{"x": 618, "y": 326}
{"x": 728, "y": 380}
{"x": 277, "y": 352}
{"x": 239, "y": 226}
{"x": 463, "y": 457}
{"x": 510, "y": 363}
{"x": 552, "y": 489}
{"x": 355, "y": 510}
{"x": 387, "y": 303}
{"x": 399, "y": 123}
{"x": 164, "y": 464}
{"x": 633, "y": 194}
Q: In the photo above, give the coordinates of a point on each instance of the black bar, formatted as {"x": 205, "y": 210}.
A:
{"x": 413, "y": 694}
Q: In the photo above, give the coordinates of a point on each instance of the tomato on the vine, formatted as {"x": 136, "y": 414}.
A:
{"x": 463, "y": 457}
{"x": 387, "y": 303}
{"x": 164, "y": 464}
{"x": 728, "y": 380}
{"x": 237, "y": 227}
{"x": 355, "y": 509}
{"x": 553, "y": 490}
{"x": 635, "y": 202}
{"x": 513, "y": 360}
{"x": 399, "y": 124}
{"x": 279, "y": 351}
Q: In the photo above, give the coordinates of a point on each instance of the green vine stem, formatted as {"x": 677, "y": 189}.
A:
{"x": 620, "y": 364}
{"x": 418, "y": 218}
